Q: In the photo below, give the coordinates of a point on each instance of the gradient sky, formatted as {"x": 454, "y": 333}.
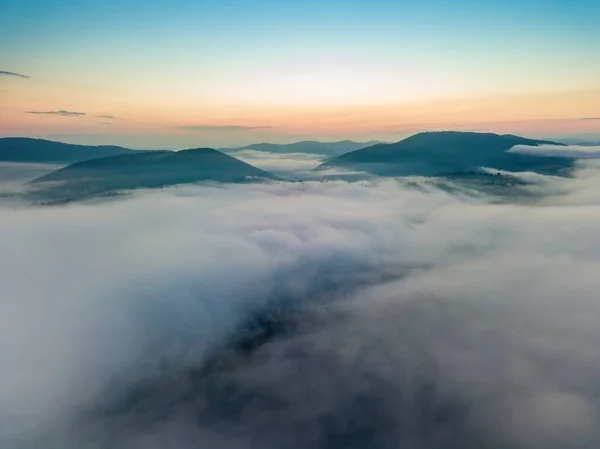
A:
{"x": 184, "y": 73}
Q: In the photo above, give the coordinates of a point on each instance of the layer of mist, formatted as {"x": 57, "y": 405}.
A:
{"x": 313, "y": 315}
{"x": 15, "y": 175}
{"x": 287, "y": 165}
{"x": 571, "y": 151}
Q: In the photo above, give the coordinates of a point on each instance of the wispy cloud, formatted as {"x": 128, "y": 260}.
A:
{"x": 590, "y": 118}
{"x": 109, "y": 117}
{"x": 62, "y": 113}
{"x": 18, "y": 75}
{"x": 222, "y": 127}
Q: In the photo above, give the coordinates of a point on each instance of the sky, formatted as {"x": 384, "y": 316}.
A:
{"x": 182, "y": 73}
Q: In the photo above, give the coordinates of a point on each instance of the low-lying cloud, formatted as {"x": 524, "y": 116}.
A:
{"x": 296, "y": 166}
{"x": 282, "y": 164}
{"x": 15, "y": 176}
{"x": 394, "y": 317}
{"x": 109, "y": 117}
{"x": 571, "y": 151}
{"x": 62, "y": 113}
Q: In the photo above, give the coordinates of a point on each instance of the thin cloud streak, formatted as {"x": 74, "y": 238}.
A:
{"x": 62, "y": 113}
{"x": 110, "y": 117}
{"x": 18, "y": 75}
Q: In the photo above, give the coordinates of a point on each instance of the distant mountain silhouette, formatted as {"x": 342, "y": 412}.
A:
{"x": 434, "y": 153}
{"x": 146, "y": 170}
{"x": 312, "y": 147}
{"x": 23, "y": 149}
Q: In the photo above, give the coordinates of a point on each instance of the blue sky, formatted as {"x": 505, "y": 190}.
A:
{"x": 176, "y": 61}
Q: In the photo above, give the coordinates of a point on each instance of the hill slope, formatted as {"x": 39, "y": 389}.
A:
{"x": 147, "y": 169}
{"x": 24, "y": 149}
{"x": 434, "y": 153}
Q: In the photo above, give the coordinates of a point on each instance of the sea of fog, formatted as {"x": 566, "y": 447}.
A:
{"x": 322, "y": 315}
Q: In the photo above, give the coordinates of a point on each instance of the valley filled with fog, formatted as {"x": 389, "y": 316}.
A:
{"x": 299, "y": 224}
{"x": 378, "y": 314}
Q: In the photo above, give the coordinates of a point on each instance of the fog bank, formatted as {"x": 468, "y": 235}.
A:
{"x": 407, "y": 318}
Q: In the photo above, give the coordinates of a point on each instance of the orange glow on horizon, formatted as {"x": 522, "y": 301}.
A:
{"x": 527, "y": 113}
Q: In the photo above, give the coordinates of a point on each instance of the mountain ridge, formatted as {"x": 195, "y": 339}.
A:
{"x": 431, "y": 153}
{"x": 148, "y": 169}
{"x": 32, "y": 150}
